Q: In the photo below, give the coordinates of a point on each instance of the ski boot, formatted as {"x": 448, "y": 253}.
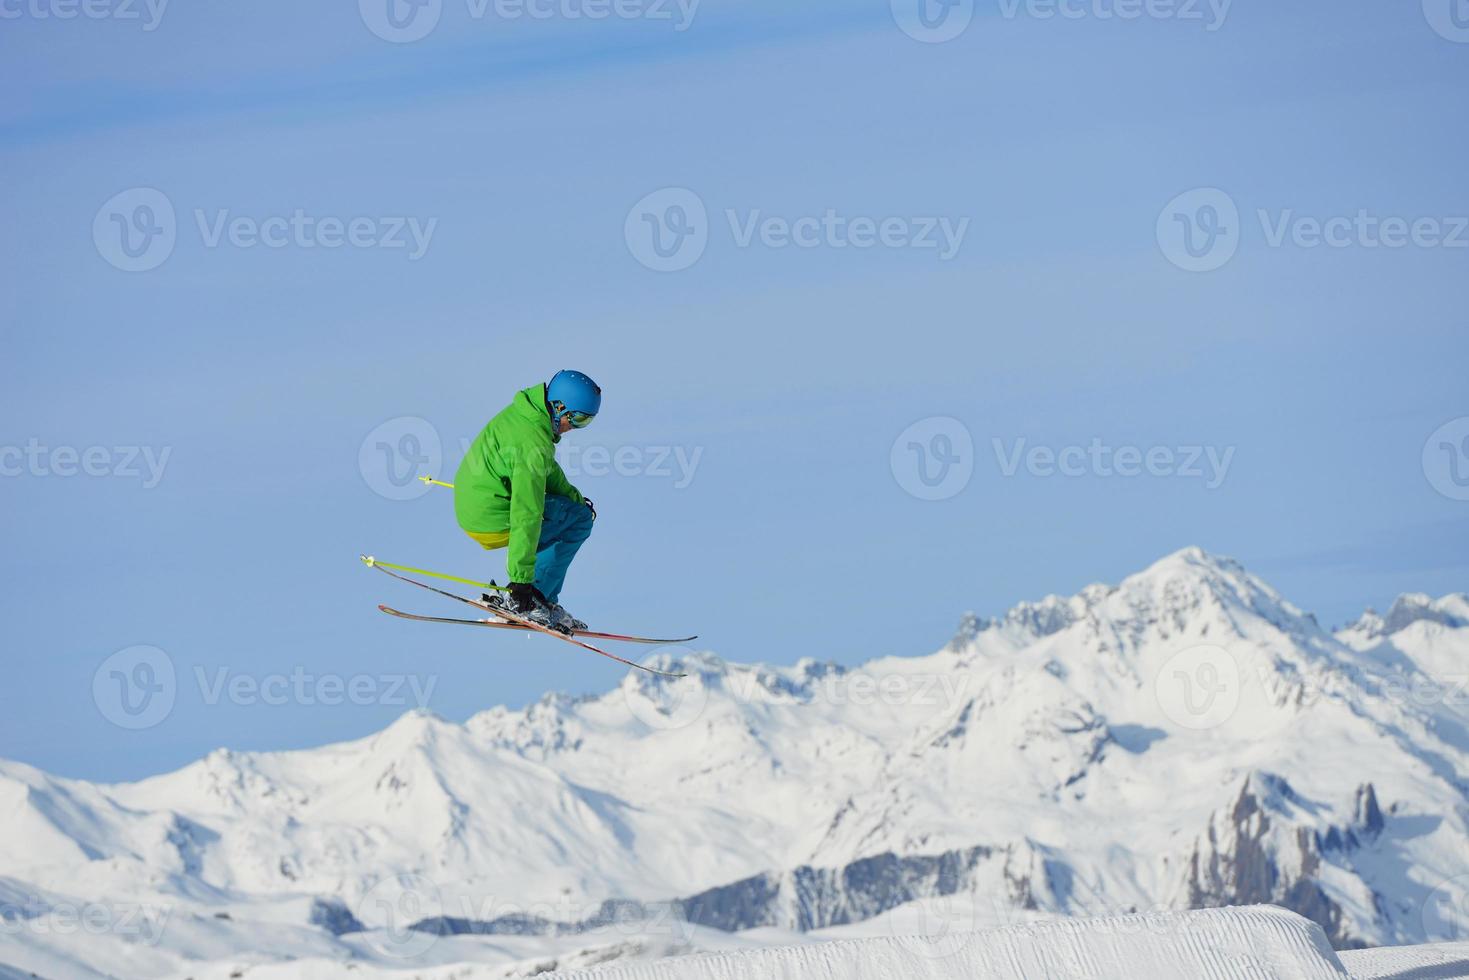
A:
{"x": 565, "y": 621}
{"x": 527, "y": 602}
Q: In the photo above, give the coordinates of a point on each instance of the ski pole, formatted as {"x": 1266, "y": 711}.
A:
{"x": 437, "y": 483}
{"x": 372, "y": 562}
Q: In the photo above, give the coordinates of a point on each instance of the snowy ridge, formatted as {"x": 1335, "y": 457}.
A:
{"x": 1452, "y": 612}
{"x": 1074, "y": 757}
{"x": 1222, "y": 944}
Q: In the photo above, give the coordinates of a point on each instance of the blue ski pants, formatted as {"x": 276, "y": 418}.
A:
{"x": 564, "y": 529}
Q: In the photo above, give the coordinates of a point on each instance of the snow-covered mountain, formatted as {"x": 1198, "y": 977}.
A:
{"x": 1187, "y": 738}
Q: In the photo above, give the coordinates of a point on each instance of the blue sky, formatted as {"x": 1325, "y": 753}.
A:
{"x": 788, "y": 373}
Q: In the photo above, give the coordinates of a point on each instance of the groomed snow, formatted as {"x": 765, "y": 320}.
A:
{"x": 1256, "y": 943}
{"x": 1433, "y": 961}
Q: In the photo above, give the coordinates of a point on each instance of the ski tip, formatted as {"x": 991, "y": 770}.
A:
{"x": 670, "y": 674}
{"x": 368, "y": 560}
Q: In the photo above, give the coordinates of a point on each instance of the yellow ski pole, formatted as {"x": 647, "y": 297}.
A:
{"x": 372, "y": 562}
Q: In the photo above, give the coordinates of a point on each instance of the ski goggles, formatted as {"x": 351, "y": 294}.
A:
{"x": 578, "y": 420}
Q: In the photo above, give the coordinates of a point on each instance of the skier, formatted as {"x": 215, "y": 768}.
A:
{"x": 511, "y": 492}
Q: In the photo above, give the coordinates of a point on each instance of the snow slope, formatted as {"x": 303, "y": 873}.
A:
{"x": 1260, "y": 943}
{"x": 1187, "y": 738}
{"x": 1434, "y": 961}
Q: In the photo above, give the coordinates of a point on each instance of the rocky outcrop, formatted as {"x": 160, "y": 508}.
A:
{"x": 1263, "y": 849}
{"x": 803, "y": 899}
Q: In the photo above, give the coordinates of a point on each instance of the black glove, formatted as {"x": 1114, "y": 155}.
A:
{"x": 590, "y": 507}
{"x": 524, "y": 597}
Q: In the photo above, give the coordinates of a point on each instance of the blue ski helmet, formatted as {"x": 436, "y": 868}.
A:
{"x": 573, "y": 396}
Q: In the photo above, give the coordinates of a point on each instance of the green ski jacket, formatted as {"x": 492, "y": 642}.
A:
{"x": 502, "y": 483}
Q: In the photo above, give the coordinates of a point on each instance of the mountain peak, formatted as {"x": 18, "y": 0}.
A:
{"x": 1194, "y": 560}
{"x": 415, "y": 727}
{"x": 1174, "y": 590}
{"x": 1451, "y": 611}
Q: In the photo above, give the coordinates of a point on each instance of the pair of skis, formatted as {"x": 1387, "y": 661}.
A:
{"x": 506, "y": 620}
